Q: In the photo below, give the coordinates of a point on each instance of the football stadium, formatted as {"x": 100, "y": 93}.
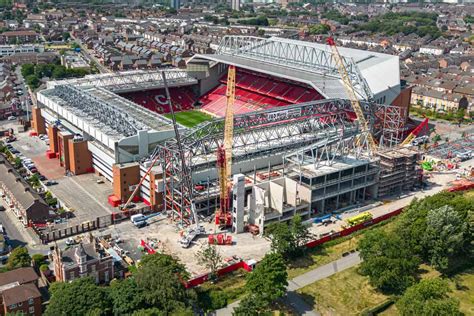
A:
{"x": 296, "y": 141}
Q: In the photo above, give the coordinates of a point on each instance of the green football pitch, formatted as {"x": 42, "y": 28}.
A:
{"x": 190, "y": 118}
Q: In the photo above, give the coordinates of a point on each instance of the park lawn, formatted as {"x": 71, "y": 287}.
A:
{"x": 463, "y": 290}
{"x": 344, "y": 293}
{"x": 331, "y": 251}
{"x": 190, "y": 118}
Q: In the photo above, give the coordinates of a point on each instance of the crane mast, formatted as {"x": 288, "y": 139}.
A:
{"x": 224, "y": 155}
{"x": 364, "y": 124}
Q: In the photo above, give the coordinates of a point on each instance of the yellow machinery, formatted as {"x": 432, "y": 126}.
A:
{"x": 352, "y": 96}
{"x": 360, "y": 218}
{"x": 224, "y": 155}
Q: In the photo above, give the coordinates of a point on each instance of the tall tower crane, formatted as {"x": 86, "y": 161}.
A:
{"x": 363, "y": 123}
{"x": 224, "y": 155}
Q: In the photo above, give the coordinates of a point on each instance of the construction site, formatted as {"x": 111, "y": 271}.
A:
{"x": 295, "y": 128}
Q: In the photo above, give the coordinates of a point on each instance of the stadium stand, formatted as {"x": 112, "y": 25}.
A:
{"x": 182, "y": 98}
{"x": 253, "y": 92}
{"x": 256, "y": 92}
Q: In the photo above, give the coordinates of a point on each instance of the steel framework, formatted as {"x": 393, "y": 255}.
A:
{"x": 131, "y": 80}
{"x": 295, "y": 54}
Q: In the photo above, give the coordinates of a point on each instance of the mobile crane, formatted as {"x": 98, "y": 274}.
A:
{"x": 224, "y": 155}
{"x": 415, "y": 133}
{"x": 364, "y": 124}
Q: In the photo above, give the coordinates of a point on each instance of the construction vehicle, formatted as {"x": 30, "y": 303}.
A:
{"x": 412, "y": 136}
{"x": 346, "y": 80}
{"x": 223, "y": 216}
{"x": 220, "y": 239}
{"x": 358, "y": 219}
{"x": 193, "y": 232}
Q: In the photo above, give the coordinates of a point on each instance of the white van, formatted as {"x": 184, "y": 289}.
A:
{"x": 138, "y": 220}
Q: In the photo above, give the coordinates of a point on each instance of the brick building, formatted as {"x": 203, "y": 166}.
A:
{"x": 19, "y": 292}
{"x": 88, "y": 258}
{"x": 18, "y": 37}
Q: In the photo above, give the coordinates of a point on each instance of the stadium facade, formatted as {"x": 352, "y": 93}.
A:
{"x": 294, "y": 141}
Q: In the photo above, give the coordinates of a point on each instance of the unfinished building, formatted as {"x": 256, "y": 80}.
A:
{"x": 399, "y": 171}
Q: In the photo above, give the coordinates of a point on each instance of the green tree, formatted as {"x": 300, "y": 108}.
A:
{"x": 32, "y": 81}
{"x": 159, "y": 278}
{"x": 38, "y": 259}
{"x": 210, "y": 257}
{"x": 387, "y": 261}
{"x": 17, "y": 163}
{"x": 445, "y": 236}
{"x": 66, "y": 36}
{"x": 289, "y": 240}
{"x": 126, "y": 297}
{"x": 265, "y": 284}
{"x": 427, "y": 298}
{"x": 319, "y": 29}
{"x": 79, "y": 297}
{"x": 27, "y": 70}
{"x": 18, "y": 258}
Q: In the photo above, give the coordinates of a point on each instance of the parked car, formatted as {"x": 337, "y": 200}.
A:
{"x": 2, "y": 208}
{"x": 34, "y": 170}
{"x": 12, "y": 118}
{"x": 51, "y": 182}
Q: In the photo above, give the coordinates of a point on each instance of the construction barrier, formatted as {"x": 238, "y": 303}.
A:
{"x": 249, "y": 267}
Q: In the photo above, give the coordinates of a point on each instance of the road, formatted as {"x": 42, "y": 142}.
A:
{"x": 292, "y": 298}
{"x": 90, "y": 56}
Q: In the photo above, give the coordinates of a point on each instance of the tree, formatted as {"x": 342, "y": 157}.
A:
{"x": 387, "y": 261}
{"x": 79, "y": 297}
{"x": 210, "y": 257}
{"x": 289, "y": 240}
{"x": 32, "y": 81}
{"x": 159, "y": 279}
{"x": 429, "y": 297}
{"x": 19, "y": 258}
{"x": 17, "y": 163}
{"x": 66, "y": 36}
{"x": 319, "y": 29}
{"x": 265, "y": 284}
{"x": 413, "y": 223}
{"x": 38, "y": 259}
{"x": 126, "y": 297}
{"x": 445, "y": 236}
{"x": 27, "y": 70}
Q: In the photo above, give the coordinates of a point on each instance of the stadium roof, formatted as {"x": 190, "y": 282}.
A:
{"x": 311, "y": 63}
{"x": 113, "y": 115}
{"x": 129, "y": 81}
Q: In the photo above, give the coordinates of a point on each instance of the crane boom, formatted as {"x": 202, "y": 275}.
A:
{"x": 415, "y": 132}
{"x": 364, "y": 124}
{"x": 224, "y": 154}
{"x": 185, "y": 176}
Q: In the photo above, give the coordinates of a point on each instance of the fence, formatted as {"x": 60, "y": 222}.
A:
{"x": 100, "y": 222}
{"x": 249, "y": 266}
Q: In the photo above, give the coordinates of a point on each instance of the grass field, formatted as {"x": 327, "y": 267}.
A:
{"x": 463, "y": 290}
{"x": 331, "y": 251}
{"x": 344, "y": 293}
{"x": 190, "y": 118}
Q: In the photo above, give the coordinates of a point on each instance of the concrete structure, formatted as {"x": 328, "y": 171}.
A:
{"x": 19, "y": 292}
{"x": 399, "y": 171}
{"x": 88, "y": 258}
